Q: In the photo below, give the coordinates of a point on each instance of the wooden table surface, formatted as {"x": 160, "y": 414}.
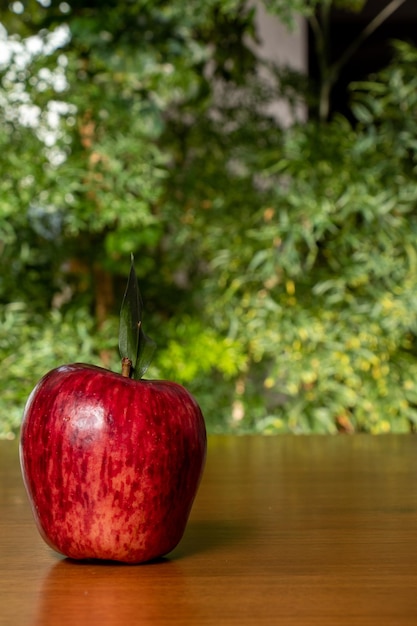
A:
{"x": 285, "y": 530}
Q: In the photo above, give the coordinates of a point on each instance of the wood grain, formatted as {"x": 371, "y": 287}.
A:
{"x": 297, "y": 531}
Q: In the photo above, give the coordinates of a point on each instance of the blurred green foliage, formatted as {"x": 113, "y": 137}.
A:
{"x": 277, "y": 264}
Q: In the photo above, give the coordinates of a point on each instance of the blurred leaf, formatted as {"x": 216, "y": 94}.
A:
{"x": 133, "y": 343}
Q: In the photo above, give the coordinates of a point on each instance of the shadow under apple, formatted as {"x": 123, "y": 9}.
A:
{"x": 202, "y": 536}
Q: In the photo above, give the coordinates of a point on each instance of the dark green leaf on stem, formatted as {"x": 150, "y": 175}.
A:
{"x": 134, "y": 344}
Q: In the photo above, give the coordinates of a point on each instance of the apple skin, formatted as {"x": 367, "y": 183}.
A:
{"x": 111, "y": 465}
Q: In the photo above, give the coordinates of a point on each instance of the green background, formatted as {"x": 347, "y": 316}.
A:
{"x": 277, "y": 264}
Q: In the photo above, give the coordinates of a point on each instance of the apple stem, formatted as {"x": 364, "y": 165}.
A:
{"x": 126, "y": 367}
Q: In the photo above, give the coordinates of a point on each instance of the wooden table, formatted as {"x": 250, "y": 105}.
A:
{"x": 297, "y": 531}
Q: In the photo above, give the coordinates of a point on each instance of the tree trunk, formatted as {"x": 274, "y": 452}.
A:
{"x": 103, "y": 294}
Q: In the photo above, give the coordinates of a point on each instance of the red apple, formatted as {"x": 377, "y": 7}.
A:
{"x": 112, "y": 463}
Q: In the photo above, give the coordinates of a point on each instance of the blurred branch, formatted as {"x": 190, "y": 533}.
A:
{"x": 331, "y": 71}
